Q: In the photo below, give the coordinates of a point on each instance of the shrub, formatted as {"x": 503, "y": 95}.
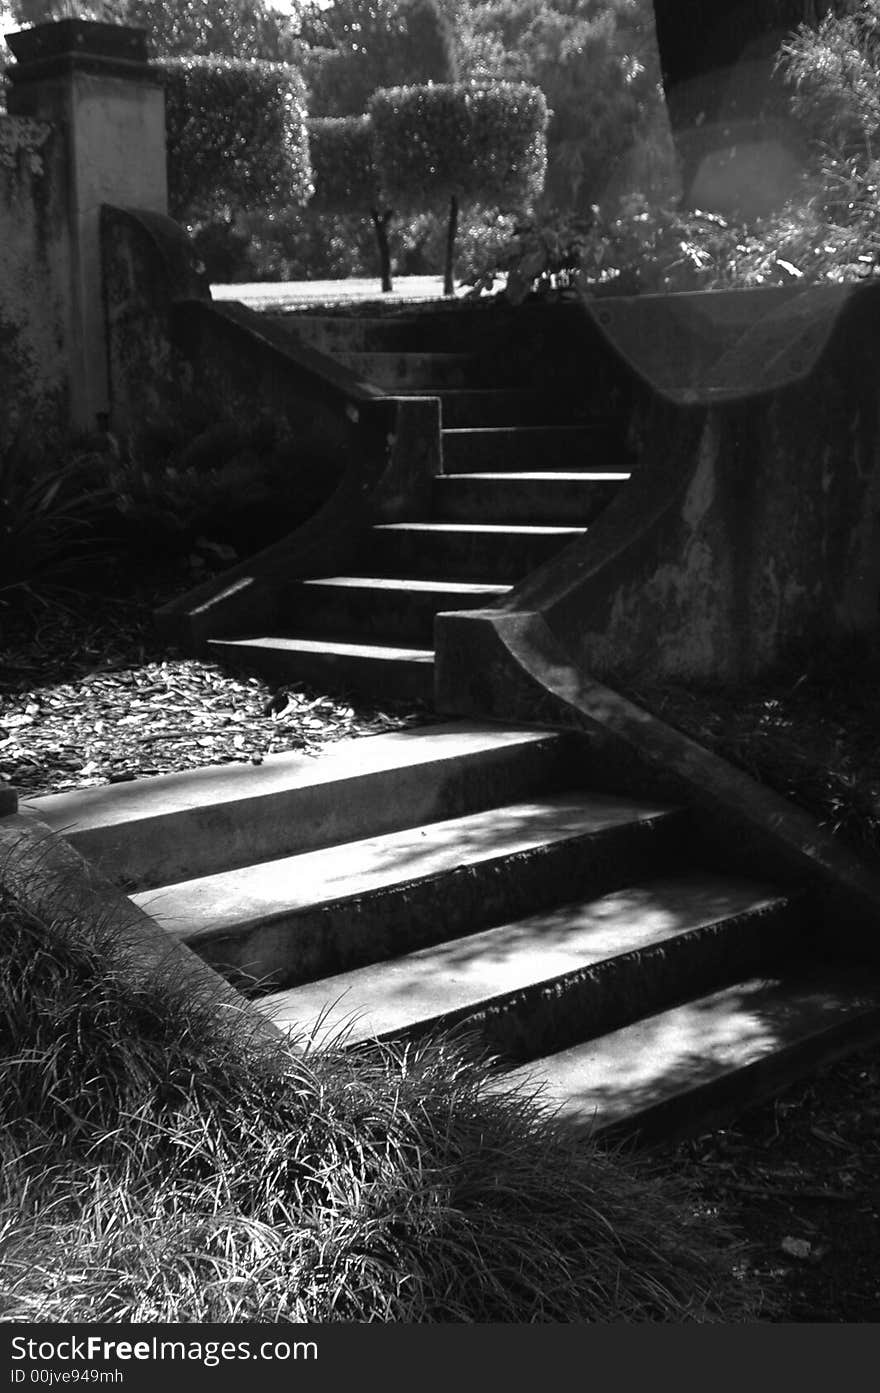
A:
{"x": 345, "y": 177}
{"x": 243, "y": 485}
{"x": 455, "y": 144}
{"x": 648, "y": 249}
{"x": 48, "y": 513}
{"x": 834, "y": 73}
{"x": 236, "y": 136}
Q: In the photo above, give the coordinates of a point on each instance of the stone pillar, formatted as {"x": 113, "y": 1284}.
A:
{"x": 93, "y": 81}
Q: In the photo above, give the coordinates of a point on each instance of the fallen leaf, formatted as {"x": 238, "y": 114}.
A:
{"x": 797, "y": 1248}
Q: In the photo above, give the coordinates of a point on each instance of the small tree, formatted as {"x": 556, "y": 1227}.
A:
{"x": 446, "y": 145}
{"x": 236, "y": 135}
{"x": 345, "y": 178}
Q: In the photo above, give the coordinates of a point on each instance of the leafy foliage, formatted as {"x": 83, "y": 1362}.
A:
{"x": 834, "y": 73}
{"x": 642, "y": 248}
{"x": 233, "y": 28}
{"x": 341, "y": 151}
{"x": 244, "y": 485}
{"x": 597, "y": 63}
{"x": 482, "y": 145}
{"x": 48, "y": 512}
{"x": 366, "y": 44}
{"x": 455, "y": 144}
{"x": 236, "y": 135}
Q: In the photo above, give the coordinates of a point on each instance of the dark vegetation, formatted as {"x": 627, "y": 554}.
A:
{"x": 156, "y": 1167}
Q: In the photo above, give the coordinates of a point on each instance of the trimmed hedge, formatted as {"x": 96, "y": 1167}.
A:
{"x": 345, "y": 177}
{"x": 482, "y": 145}
{"x": 236, "y": 135}
{"x": 453, "y": 144}
{"x": 341, "y": 150}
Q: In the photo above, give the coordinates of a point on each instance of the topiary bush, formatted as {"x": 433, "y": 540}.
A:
{"x": 236, "y": 135}
{"x": 345, "y": 178}
{"x": 452, "y": 144}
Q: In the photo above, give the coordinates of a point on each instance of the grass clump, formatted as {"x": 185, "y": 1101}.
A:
{"x": 158, "y": 1168}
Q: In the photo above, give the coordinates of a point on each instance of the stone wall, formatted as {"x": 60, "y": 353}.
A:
{"x": 751, "y": 528}
{"x": 35, "y": 282}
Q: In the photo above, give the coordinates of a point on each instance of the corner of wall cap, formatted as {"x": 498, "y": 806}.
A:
{"x": 78, "y": 37}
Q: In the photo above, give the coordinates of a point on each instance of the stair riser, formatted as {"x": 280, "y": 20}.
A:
{"x": 506, "y": 406}
{"x": 554, "y": 449}
{"x": 319, "y": 941}
{"x": 203, "y": 841}
{"x": 393, "y": 679}
{"x": 467, "y": 498}
{"x": 496, "y": 556}
{"x": 394, "y": 370}
{"x": 556, "y": 1015}
{"x": 395, "y": 617}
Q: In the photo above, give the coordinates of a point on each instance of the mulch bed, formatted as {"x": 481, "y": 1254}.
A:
{"x": 87, "y": 696}
{"x": 799, "y": 1179}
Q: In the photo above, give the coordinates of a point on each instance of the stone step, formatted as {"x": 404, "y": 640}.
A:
{"x": 524, "y": 498}
{"x": 697, "y": 1064}
{"x": 521, "y": 406}
{"x": 395, "y": 672}
{"x": 423, "y": 370}
{"x": 542, "y": 983}
{"x": 180, "y": 826}
{"x": 523, "y": 448}
{"x": 393, "y": 609}
{"x": 465, "y": 551}
{"x": 298, "y": 918}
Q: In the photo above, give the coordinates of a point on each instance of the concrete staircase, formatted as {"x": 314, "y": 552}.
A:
{"x": 477, "y": 877}
{"x": 524, "y": 472}
{"x": 469, "y": 876}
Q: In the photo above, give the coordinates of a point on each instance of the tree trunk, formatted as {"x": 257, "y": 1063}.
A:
{"x": 700, "y": 45}
{"x": 451, "y": 230}
{"x": 381, "y": 222}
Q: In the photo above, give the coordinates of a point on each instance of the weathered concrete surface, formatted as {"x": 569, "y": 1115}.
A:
{"x": 512, "y": 667}
{"x": 92, "y": 83}
{"x": 175, "y": 827}
{"x": 752, "y": 523}
{"x": 367, "y": 458}
{"x": 35, "y": 292}
{"x": 148, "y": 264}
{"x": 52, "y": 881}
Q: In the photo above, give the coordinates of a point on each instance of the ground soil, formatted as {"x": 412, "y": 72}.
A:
{"x": 88, "y": 695}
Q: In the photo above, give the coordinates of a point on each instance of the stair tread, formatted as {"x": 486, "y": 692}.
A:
{"x": 229, "y": 783}
{"x": 380, "y": 652}
{"x": 220, "y": 902}
{"x": 514, "y": 529}
{"x": 544, "y": 476}
{"x": 568, "y": 428}
{"x": 467, "y": 974}
{"x": 452, "y": 587}
{"x": 624, "y": 1075}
